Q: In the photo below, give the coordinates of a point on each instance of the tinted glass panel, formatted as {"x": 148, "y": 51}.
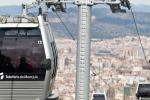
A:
{"x": 144, "y": 88}
{"x": 20, "y": 32}
{"x": 22, "y": 54}
{"x": 98, "y": 97}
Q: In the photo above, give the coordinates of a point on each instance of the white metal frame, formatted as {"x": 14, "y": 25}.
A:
{"x": 47, "y": 38}
{"x": 22, "y": 25}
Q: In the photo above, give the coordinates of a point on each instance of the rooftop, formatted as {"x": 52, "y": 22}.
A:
{"x": 103, "y": 52}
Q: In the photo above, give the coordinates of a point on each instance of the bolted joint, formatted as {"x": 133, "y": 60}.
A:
{"x": 84, "y": 2}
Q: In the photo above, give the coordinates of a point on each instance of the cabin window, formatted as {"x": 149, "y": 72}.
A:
{"x": 21, "y": 32}
{"x": 21, "y": 53}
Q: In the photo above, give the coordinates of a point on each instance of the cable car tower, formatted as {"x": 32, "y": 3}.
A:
{"x": 84, "y": 36}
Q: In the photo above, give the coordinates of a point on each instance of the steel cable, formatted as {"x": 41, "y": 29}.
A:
{"x": 67, "y": 29}
{"x": 137, "y": 32}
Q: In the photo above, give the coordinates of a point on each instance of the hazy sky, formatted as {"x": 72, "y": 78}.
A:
{"x": 18, "y": 2}
{"x": 146, "y": 2}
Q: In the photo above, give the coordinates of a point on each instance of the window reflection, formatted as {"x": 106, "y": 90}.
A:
{"x": 20, "y": 51}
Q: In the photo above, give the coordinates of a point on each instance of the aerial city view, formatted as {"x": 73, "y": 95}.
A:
{"x": 74, "y": 50}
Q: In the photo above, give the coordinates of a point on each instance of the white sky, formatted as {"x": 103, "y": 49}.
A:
{"x": 145, "y": 2}
{"x": 18, "y": 2}
{"x": 14, "y": 2}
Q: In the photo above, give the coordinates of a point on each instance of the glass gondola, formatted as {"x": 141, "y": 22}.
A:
{"x": 143, "y": 91}
{"x": 99, "y": 96}
{"x": 28, "y": 60}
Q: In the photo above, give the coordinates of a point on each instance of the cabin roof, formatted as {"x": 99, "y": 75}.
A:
{"x": 19, "y": 25}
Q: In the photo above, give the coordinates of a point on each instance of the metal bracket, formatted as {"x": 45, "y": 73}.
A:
{"x": 84, "y": 2}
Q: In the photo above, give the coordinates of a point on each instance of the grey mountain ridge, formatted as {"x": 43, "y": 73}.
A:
{"x": 108, "y": 25}
{"x": 104, "y": 23}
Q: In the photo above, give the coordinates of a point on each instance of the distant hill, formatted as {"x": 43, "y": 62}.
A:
{"x": 104, "y": 23}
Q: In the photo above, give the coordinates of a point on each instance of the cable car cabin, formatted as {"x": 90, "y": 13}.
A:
{"x": 143, "y": 91}
{"x": 99, "y": 96}
{"x": 28, "y": 60}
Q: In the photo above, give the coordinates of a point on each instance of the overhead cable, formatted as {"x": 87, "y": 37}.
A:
{"x": 137, "y": 32}
{"x": 67, "y": 29}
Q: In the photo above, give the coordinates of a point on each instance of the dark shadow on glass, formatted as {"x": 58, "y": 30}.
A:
{"x": 24, "y": 67}
{"x": 5, "y": 64}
